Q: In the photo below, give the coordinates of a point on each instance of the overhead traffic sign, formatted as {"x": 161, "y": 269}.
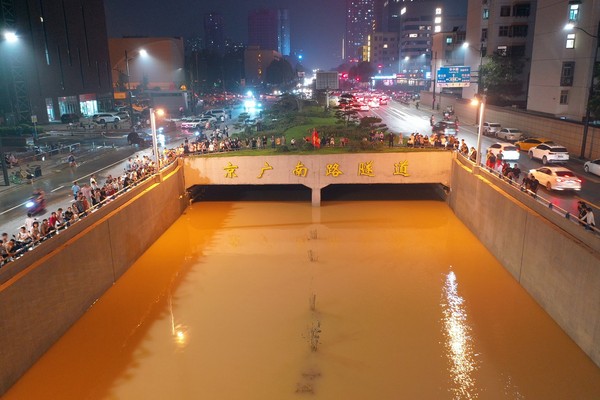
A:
{"x": 454, "y": 77}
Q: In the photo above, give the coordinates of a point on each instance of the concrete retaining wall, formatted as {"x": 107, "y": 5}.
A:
{"x": 43, "y": 293}
{"x": 559, "y": 271}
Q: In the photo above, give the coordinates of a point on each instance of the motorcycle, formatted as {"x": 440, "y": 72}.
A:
{"x": 36, "y": 205}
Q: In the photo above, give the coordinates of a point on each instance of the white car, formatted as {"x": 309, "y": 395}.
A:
{"x": 557, "y": 178}
{"x": 491, "y": 128}
{"x": 592, "y": 167}
{"x": 549, "y": 153}
{"x": 509, "y": 151}
{"x": 364, "y": 107}
{"x": 510, "y": 134}
{"x": 191, "y": 124}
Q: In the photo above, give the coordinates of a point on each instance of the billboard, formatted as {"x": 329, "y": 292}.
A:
{"x": 454, "y": 77}
{"x": 327, "y": 80}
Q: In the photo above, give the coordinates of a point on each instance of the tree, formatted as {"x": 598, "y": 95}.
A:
{"x": 594, "y": 101}
{"x": 501, "y": 77}
{"x": 363, "y": 71}
{"x": 279, "y": 72}
{"x": 344, "y": 111}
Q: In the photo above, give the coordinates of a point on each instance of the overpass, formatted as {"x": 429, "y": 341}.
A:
{"x": 319, "y": 171}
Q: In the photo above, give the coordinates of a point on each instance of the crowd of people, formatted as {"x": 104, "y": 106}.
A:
{"x": 87, "y": 197}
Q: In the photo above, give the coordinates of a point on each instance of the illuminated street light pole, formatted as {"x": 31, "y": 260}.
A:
{"x": 481, "y": 103}
{"x": 160, "y": 112}
{"x": 586, "y": 123}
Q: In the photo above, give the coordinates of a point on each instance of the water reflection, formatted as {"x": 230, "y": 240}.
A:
{"x": 458, "y": 341}
{"x": 179, "y": 332}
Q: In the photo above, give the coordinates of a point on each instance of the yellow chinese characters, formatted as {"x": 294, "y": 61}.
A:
{"x": 366, "y": 169}
{"x": 263, "y": 169}
{"x": 401, "y": 168}
{"x": 230, "y": 168}
{"x": 333, "y": 170}
{"x": 300, "y": 170}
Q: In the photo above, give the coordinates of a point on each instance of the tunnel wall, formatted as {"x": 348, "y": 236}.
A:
{"x": 44, "y": 292}
{"x": 560, "y": 271}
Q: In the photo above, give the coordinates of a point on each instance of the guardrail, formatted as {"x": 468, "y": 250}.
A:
{"x": 24, "y": 247}
{"x": 513, "y": 186}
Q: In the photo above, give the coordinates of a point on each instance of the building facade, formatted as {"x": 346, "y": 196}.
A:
{"x": 263, "y": 29}
{"x": 360, "y": 23}
{"x": 563, "y": 60}
{"x": 256, "y": 61}
{"x": 502, "y": 27}
{"x": 384, "y": 52}
{"x": 59, "y": 63}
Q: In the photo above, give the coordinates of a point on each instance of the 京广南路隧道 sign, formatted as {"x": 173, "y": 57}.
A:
{"x": 454, "y": 77}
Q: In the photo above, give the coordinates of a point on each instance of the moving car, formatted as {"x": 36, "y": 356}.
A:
{"x": 557, "y": 178}
{"x": 592, "y": 167}
{"x": 510, "y": 134}
{"x": 445, "y": 128}
{"x": 491, "y": 128}
{"x": 509, "y": 151}
{"x": 192, "y": 123}
{"x": 526, "y": 144}
{"x": 549, "y": 153}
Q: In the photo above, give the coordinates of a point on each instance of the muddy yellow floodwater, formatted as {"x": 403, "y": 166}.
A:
{"x": 281, "y": 300}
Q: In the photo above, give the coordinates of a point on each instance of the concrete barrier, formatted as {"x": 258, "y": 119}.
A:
{"x": 561, "y": 272}
{"x": 44, "y": 292}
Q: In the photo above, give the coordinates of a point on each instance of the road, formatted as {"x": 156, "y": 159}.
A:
{"x": 405, "y": 119}
{"x": 102, "y": 155}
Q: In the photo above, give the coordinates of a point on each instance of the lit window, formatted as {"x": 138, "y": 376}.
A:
{"x": 438, "y": 28}
{"x": 448, "y": 39}
{"x": 573, "y": 13}
{"x": 385, "y": 46}
{"x": 403, "y": 11}
{"x": 438, "y": 20}
{"x": 502, "y": 50}
{"x": 570, "y": 41}
{"x": 486, "y": 14}
{"x": 438, "y": 11}
{"x": 413, "y": 35}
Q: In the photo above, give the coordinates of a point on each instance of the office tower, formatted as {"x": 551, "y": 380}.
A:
{"x": 263, "y": 29}
{"x": 58, "y": 62}
{"x": 284, "y": 32}
{"x": 213, "y": 32}
{"x": 360, "y": 23}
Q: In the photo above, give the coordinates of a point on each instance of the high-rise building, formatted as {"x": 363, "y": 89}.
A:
{"x": 213, "y": 32}
{"x": 58, "y": 62}
{"x": 284, "y": 32}
{"x": 505, "y": 28}
{"x": 360, "y": 23}
{"x": 263, "y": 29}
{"x": 383, "y": 51}
{"x": 269, "y": 29}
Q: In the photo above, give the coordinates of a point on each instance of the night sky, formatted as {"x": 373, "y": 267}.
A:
{"x": 317, "y": 26}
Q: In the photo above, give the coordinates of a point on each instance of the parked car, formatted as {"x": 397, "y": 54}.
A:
{"x": 509, "y": 151}
{"x": 592, "y": 167}
{"x": 557, "y": 178}
{"x": 217, "y": 113}
{"x": 491, "y": 128}
{"x": 510, "y": 134}
{"x": 549, "y": 153}
{"x": 105, "y": 118}
{"x": 69, "y": 118}
{"x": 123, "y": 115}
{"x": 445, "y": 128}
{"x": 526, "y": 144}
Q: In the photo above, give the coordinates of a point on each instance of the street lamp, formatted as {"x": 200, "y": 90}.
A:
{"x": 586, "y": 123}
{"x": 481, "y": 103}
{"x": 160, "y": 113}
{"x": 143, "y": 53}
